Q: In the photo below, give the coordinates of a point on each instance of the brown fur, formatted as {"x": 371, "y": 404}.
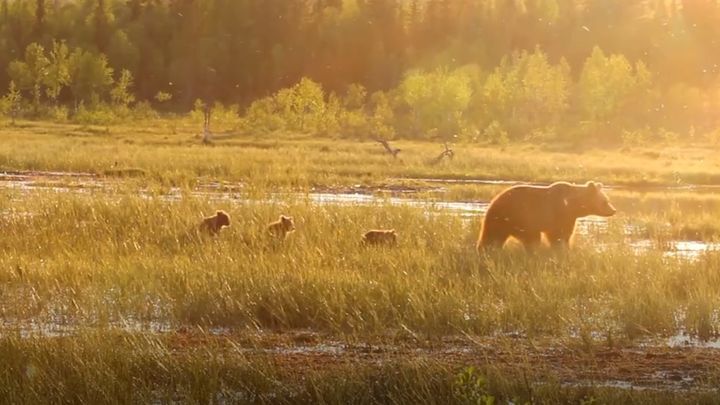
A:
{"x": 215, "y": 223}
{"x": 282, "y": 227}
{"x": 380, "y": 237}
{"x": 527, "y": 212}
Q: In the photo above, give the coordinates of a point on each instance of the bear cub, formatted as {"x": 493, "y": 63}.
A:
{"x": 215, "y": 223}
{"x": 282, "y": 227}
{"x": 386, "y": 237}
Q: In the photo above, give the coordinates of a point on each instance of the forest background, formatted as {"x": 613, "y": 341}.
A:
{"x": 599, "y": 71}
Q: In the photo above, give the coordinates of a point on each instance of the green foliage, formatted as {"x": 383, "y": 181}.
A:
{"x": 346, "y": 116}
{"x": 97, "y": 114}
{"x": 526, "y": 92}
{"x": 144, "y": 111}
{"x": 470, "y": 388}
{"x": 120, "y": 94}
{"x": 4, "y": 104}
{"x": 221, "y": 117}
{"x": 57, "y": 113}
{"x": 30, "y": 73}
{"x": 382, "y": 118}
{"x": 437, "y": 100}
{"x": 162, "y": 97}
{"x": 609, "y": 84}
{"x": 58, "y": 72}
{"x": 355, "y": 97}
{"x": 90, "y": 77}
{"x": 263, "y": 116}
{"x": 426, "y": 56}
{"x": 300, "y": 108}
{"x": 496, "y": 134}
{"x": 11, "y": 103}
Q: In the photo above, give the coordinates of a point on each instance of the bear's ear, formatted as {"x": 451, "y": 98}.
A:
{"x": 392, "y": 231}
{"x": 593, "y": 186}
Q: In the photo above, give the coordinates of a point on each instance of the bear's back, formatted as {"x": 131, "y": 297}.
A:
{"x": 521, "y": 195}
{"x": 524, "y": 206}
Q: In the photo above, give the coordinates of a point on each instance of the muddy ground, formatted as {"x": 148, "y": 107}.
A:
{"x": 638, "y": 365}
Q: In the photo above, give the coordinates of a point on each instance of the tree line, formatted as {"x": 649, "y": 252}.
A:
{"x": 476, "y": 69}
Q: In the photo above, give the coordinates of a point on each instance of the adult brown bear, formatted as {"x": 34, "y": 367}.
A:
{"x": 526, "y": 212}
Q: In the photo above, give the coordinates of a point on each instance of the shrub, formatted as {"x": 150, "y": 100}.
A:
{"x": 99, "y": 114}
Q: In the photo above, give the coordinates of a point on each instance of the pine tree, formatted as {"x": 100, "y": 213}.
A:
{"x": 39, "y": 29}
{"x": 101, "y": 26}
{"x": 4, "y": 15}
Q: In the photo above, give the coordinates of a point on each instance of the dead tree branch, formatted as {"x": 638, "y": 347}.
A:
{"x": 447, "y": 153}
{"x": 389, "y": 149}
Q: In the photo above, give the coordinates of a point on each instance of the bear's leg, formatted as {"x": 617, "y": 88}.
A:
{"x": 491, "y": 238}
{"x": 560, "y": 237}
{"x": 556, "y": 239}
{"x": 531, "y": 240}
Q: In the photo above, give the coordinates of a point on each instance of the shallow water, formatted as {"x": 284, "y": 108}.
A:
{"x": 638, "y": 187}
{"x": 684, "y": 340}
{"x": 463, "y": 209}
{"x": 53, "y": 181}
{"x": 85, "y": 183}
{"x": 684, "y": 249}
{"x": 33, "y": 328}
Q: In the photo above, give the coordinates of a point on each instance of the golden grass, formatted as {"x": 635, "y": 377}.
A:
{"x": 90, "y": 259}
{"x": 170, "y": 151}
{"x": 127, "y": 256}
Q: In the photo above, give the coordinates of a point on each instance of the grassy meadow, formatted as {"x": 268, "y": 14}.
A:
{"x": 109, "y": 294}
{"x": 169, "y": 151}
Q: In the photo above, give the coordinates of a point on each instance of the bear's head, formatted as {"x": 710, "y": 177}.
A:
{"x": 223, "y": 219}
{"x": 591, "y": 200}
{"x": 287, "y": 223}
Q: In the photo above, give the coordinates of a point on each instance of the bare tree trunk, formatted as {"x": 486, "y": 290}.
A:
{"x": 207, "y": 135}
